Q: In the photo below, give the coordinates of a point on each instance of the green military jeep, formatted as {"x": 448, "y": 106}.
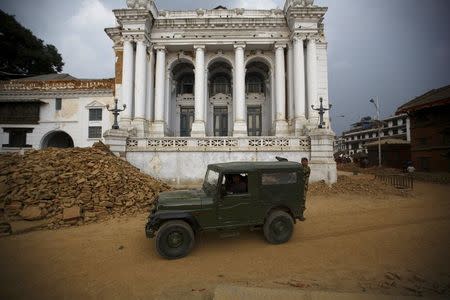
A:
{"x": 234, "y": 195}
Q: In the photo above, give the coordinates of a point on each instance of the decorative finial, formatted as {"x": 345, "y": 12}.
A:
{"x": 301, "y": 3}
{"x": 140, "y": 4}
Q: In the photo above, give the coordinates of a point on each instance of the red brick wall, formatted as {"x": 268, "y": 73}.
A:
{"x": 429, "y": 143}
{"x": 392, "y": 156}
{"x": 118, "y": 66}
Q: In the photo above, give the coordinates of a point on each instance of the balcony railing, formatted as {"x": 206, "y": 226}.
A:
{"x": 220, "y": 144}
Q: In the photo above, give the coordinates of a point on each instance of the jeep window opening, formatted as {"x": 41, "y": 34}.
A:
{"x": 279, "y": 178}
{"x": 211, "y": 181}
{"x": 235, "y": 184}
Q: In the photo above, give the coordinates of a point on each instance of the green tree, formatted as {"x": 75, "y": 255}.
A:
{"x": 24, "y": 54}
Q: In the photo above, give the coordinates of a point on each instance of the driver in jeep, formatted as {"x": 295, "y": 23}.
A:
{"x": 238, "y": 186}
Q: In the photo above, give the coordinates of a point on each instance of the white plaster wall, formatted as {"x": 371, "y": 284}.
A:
{"x": 73, "y": 118}
{"x": 188, "y": 168}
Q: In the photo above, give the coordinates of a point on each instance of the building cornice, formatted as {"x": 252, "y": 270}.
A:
{"x": 220, "y": 23}
{"x": 221, "y": 14}
{"x": 57, "y": 94}
{"x": 131, "y": 15}
{"x": 41, "y": 85}
{"x": 115, "y": 34}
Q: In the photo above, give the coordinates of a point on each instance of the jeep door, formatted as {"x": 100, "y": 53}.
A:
{"x": 234, "y": 204}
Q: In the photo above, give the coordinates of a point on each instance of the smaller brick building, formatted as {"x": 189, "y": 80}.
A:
{"x": 430, "y": 130}
{"x": 394, "y": 153}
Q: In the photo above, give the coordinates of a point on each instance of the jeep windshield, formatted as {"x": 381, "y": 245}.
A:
{"x": 211, "y": 179}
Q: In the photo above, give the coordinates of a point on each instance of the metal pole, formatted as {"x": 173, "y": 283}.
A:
{"x": 379, "y": 133}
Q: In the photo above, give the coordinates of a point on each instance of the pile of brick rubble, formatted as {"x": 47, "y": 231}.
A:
{"x": 72, "y": 186}
{"x": 354, "y": 185}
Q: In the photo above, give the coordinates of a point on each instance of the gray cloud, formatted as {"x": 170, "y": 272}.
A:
{"x": 392, "y": 49}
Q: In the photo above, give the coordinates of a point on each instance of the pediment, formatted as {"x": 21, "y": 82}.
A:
{"x": 96, "y": 103}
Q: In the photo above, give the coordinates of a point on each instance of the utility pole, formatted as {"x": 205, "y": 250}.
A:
{"x": 377, "y": 106}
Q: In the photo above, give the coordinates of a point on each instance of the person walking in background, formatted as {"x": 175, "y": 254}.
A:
{"x": 306, "y": 173}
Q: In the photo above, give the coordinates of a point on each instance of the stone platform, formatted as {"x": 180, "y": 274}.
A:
{"x": 183, "y": 161}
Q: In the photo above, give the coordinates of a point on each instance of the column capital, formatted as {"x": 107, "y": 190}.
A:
{"x": 299, "y": 37}
{"x": 150, "y": 48}
{"x": 313, "y": 37}
{"x": 159, "y": 47}
{"x": 139, "y": 38}
{"x": 280, "y": 45}
{"x": 202, "y": 47}
{"x": 128, "y": 38}
{"x": 239, "y": 45}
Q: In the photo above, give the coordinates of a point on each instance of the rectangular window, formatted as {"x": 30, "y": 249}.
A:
{"x": 58, "y": 104}
{"x": 279, "y": 178}
{"x": 236, "y": 183}
{"x": 17, "y": 137}
{"x": 19, "y": 113}
{"x": 187, "y": 116}
{"x": 95, "y": 114}
{"x": 424, "y": 163}
{"x": 446, "y": 136}
{"x": 95, "y": 132}
{"x": 220, "y": 121}
{"x": 422, "y": 141}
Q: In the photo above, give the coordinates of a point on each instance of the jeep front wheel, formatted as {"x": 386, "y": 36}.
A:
{"x": 175, "y": 239}
{"x": 278, "y": 227}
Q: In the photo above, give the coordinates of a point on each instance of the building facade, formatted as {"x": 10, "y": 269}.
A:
{"x": 356, "y": 139}
{"x": 55, "y": 110}
{"x": 430, "y": 130}
{"x": 223, "y": 84}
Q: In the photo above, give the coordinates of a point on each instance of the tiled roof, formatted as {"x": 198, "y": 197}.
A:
{"x": 434, "y": 97}
{"x": 48, "y": 77}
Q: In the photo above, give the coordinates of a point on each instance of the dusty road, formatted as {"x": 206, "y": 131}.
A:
{"x": 391, "y": 245}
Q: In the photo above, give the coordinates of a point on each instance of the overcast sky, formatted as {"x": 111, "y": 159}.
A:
{"x": 393, "y": 49}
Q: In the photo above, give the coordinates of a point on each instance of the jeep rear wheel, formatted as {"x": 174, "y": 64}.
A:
{"x": 278, "y": 227}
{"x": 175, "y": 239}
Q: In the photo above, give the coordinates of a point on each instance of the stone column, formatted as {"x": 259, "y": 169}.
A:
{"x": 290, "y": 89}
{"x": 198, "y": 127}
{"x": 281, "y": 126}
{"x": 158, "y": 126}
{"x": 150, "y": 86}
{"x": 127, "y": 80}
{"x": 299, "y": 86}
{"x": 140, "y": 86}
{"x": 240, "y": 125}
{"x": 311, "y": 75}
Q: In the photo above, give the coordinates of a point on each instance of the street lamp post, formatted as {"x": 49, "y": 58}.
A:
{"x": 321, "y": 110}
{"x": 377, "y": 106}
{"x": 115, "y": 111}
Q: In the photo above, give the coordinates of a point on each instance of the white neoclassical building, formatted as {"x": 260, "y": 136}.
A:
{"x": 221, "y": 84}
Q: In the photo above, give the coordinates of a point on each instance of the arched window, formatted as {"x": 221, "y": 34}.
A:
{"x": 255, "y": 84}
{"x": 186, "y": 84}
{"x": 220, "y": 84}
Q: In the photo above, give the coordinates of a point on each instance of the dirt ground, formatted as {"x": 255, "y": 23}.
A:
{"x": 387, "y": 244}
